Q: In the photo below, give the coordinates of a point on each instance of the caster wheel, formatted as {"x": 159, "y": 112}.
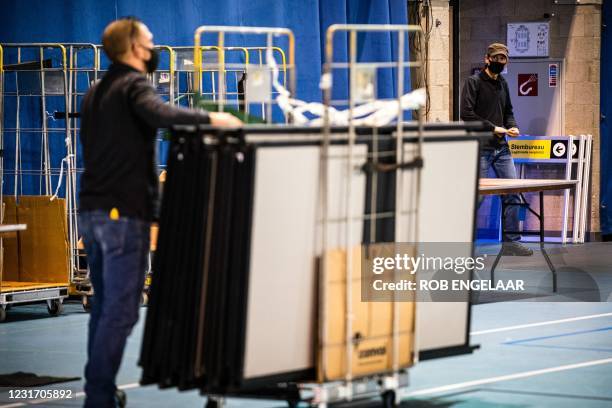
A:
{"x": 2, "y": 314}
{"x": 86, "y": 301}
{"x": 55, "y": 307}
{"x": 388, "y": 399}
{"x": 144, "y": 299}
{"x": 212, "y": 404}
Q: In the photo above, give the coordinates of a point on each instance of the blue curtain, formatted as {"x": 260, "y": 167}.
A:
{"x": 173, "y": 23}
{"x": 606, "y": 129}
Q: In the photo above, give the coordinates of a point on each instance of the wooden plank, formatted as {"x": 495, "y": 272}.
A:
{"x": 6, "y": 228}
{"x": 13, "y": 286}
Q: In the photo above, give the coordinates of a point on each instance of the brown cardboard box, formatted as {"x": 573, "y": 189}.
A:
{"x": 41, "y": 252}
{"x": 372, "y": 325}
{"x": 10, "y": 258}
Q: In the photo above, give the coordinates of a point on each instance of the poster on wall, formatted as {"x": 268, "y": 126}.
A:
{"x": 528, "y": 39}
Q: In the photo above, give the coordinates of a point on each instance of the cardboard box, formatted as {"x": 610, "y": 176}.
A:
{"x": 372, "y": 325}
{"x": 10, "y": 257}
{"x": 41, "y": 253}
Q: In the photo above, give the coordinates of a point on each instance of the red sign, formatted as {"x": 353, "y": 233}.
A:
{"x": 527, "y": 84}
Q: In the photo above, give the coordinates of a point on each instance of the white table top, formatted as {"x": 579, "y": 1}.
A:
{"x": 508, "y": 186}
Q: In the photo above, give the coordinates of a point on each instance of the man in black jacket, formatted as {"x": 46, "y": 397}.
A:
{"x": 486, "y": 97}
{"x": 120, "y": 116}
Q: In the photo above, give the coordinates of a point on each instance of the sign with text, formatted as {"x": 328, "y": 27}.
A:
{"x": 541, "y": 149}
{"x": 530, "y": 149}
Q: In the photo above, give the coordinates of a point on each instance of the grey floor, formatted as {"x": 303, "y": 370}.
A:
{"x": 535, "y": 351}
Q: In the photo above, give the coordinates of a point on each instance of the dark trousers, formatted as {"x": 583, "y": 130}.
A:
{"x": 500, "y": 160}
{"x": 117, "y": 253}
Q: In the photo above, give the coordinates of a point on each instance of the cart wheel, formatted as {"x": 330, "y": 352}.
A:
{"x": 55, "y": 307}
{"x": 388, "y": 399}
{"x": 86, "y": 301}
{"x": 2, "y": 314}
{"x": 144, "y": 299}
{"x": 211, "y": 403}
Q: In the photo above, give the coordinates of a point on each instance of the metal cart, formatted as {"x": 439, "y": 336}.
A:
{"x": 36, "y": 87}
{"x": 389, "y": 383}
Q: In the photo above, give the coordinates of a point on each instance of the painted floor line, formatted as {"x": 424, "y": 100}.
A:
{"x": 77, "y": 395}
{"x": 554, "y": 347}
{"x": 556, "y": 336}
{"x": 516, "y": 376}
{"x": 546, "y": 323}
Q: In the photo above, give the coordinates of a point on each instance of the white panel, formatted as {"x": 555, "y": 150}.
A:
{"x": 448, "y": 192}
{"x": 280, "y": 330}
{"x": 282, "y": 289}
{"x": 446, "y": 214}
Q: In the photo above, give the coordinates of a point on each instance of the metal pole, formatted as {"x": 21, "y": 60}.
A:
{"x": 45, "y": 156}
{"x": 17, "y": 128}
{"x": 578, "y": 192}
{"x": 585, "y": 188}
{"x": 566, "y": 193}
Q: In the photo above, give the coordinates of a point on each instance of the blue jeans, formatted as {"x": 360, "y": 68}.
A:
{"x": 117, "y": 256}
{"x": 503, "y": 165}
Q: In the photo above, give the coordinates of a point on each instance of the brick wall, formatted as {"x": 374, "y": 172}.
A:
{"x": 440, "y": 64}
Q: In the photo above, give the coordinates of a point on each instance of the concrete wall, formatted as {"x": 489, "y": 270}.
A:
{"x": 575, "y": 36}
{"x": 440, "y": 70}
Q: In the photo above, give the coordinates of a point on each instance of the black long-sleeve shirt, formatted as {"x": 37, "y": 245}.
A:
{"x": 488, "y": 100}
{"x": 120, "y": 116}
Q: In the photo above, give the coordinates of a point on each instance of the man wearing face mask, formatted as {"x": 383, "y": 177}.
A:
{"x": 120, "y": 116}
{"x": 486, "y": 97}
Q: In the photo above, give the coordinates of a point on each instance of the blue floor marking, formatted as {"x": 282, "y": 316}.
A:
{"x": 605, "y": 350}
{"x": 602, "y": 329}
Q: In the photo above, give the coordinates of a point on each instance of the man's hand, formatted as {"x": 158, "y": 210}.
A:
{"x": 500, "y": 131}
{"x": 224, "y": 119}
{"x": 513, "y": 132}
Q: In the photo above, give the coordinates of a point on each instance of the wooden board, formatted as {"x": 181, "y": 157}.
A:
{"x": 13, "y": 286}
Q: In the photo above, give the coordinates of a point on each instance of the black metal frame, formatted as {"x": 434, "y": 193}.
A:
{"x": 540, "y": 218}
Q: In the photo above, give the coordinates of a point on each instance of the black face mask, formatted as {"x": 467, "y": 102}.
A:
{"x": 496, "y": 67}
{"x": 151, "y": 63}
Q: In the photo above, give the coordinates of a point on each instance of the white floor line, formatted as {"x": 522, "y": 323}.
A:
{"x": 526, "y": 374}
{"x": 75, "y": 396}
{"x": 524, "y": 326}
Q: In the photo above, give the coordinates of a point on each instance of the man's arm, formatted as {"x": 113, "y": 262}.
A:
{"x": 151, "y": 109}
{"x": 469, "y": 96}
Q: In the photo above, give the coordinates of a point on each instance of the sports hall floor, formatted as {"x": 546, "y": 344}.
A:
{"x": 535, "y": 351}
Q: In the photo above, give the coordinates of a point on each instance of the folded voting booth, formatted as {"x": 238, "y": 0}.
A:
{"x": 236, "y": 303}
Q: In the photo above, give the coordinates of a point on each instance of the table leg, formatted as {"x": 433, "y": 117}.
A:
{"x": 542, "y": 249}
{"x": 501, "y": 250}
